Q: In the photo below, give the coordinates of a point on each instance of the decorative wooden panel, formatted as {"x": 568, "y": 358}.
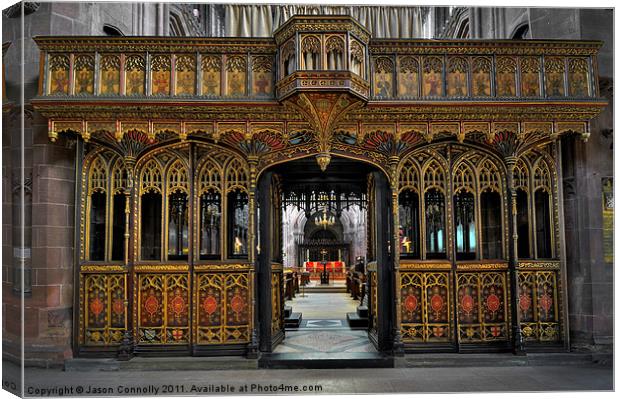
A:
{"x": 163, "y": 308}
{"x": 211, "y": 74}
{"x": 578, "y": 77}
{"x": 104, "y": 308}
{"x": 554, "y": 76}
{"x": 530, "y": 76}
{"x": 432, "y": 80}
{"x": 84, "y": 74}
{"x": 160, "y": 74}
{"x": 458, "y": 69}
{"x": 276, "y": 297}
{"x": 135, "y": 75}
{"x": 425, "y": 299}
{"x": 482, "y": 308}
{"x": 238, "y": 313}
{"x": 383, "y": 77}
{"x": 373, "y": 299}
{"x": 539, "y": 312}
{"x": 109, "y": 74}
{"x": 408, "y": 76}
{"x": 481, "y": 77}
{"x": 185, "y": 75}
{"x": 58, "y": 82}
{"x": 236, "y": 75}
{"x": 262, "y": 75}
{"x": 222, "y": 307}
{"x": 209, "y": 307}
{"x": 506, "y": 77}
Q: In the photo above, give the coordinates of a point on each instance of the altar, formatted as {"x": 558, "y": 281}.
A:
{"x": 330, "y": 267}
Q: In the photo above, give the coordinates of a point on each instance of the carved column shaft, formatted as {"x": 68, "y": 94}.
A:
{"x": 517, "y": 338}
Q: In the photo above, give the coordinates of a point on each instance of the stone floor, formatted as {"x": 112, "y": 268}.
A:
{"x": 451, "y": 379}
{"x": 323, "y": 305}
{"x": 326, "y": 341}
{"x": 324, "y": 327}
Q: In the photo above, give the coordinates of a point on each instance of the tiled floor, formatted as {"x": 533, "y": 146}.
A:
{"x": 324, "y": 327}
{"x": 326, "y": 341}
{"x": 323, "y": 306}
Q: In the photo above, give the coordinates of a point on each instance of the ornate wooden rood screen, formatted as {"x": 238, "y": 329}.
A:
{"x": 173, "y": 135}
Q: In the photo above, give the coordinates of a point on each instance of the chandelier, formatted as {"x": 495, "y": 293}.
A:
{"x": 324, "y": 220}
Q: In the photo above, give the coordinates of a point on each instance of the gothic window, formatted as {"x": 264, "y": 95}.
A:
{"x": 119, "y": 187}
{"x": 151, "y": 211}
{"x": 210, "y": 224}
{"x": 288, "y": 58}
{"x": 97, "y": 183}
{"x": 178, "y": 227}
{"x": 357, "y": 58}
{"x": 238, "y": 223}
{"x": 490, "y": 206}
{"x": 311, "y": 53}
{"x": 464, "y": 226}
{"x": 543, "y": 224}
{"x": 97, "y": 225}
{"x": 523, "y": 225}
{"x": 409, "y": 230}
{"x": 118, "y": 226}
{"x": 435, "y": 224}
{"x": 151, "y": 226}
{"x": 335, "y": 53}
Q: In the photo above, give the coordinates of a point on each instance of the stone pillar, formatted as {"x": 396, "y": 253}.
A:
{"x": 49, "y": 309}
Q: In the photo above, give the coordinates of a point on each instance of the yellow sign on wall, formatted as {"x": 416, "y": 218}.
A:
{"x": 608, "y": 219}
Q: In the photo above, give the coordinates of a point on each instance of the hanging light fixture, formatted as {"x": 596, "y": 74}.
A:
{"x": 324, "y": 220}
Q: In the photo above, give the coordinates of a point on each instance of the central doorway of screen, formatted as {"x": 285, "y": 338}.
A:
{"x": 323, "y": 266}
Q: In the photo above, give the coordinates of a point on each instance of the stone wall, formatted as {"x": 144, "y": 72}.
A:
{"x": 49, "y": 231}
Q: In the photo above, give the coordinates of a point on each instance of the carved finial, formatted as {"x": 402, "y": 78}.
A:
{"x": 323, "y": 159}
